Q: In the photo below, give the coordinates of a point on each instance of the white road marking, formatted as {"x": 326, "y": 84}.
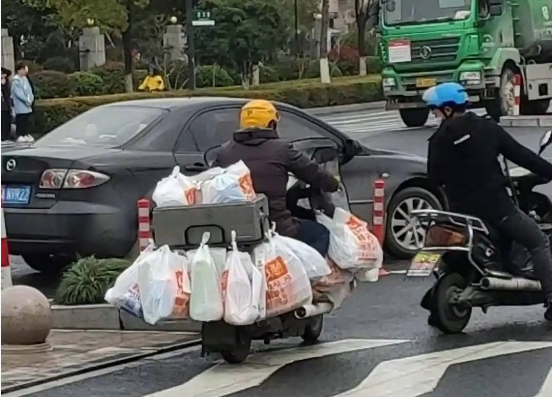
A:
{"x": 376, "y": 122}
{"x": 224, "y": 379}
{"x": 546, "y": 389}
{"x": 418, "y": 375}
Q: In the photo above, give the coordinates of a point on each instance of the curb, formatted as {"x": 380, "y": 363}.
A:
{"x": 103, "y": 365}
{"x": 346, "y": 108}
{"x": 526, "y": 121}
{"x": 106, "y": 317}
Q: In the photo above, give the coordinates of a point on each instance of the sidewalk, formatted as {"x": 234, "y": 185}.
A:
{"x": 76, "y": 352}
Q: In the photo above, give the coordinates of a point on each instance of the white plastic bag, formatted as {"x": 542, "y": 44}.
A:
{"x": 164, "y": 285}
{"x": 241, "y": 302}
{"x": 125, "y": 294}
{"x": 234, "y": 184}
{"x": 206, "y": 300}
{"x": 287, "y": 284}
{"x": 175, "y": 190}
{"x": 352, "y": 246}
{"x": 315, "y": 264}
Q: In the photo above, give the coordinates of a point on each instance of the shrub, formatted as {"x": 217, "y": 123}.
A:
{"x": 87, "y": 83}
{"x": 113, "y": 76}
{"x": 59, "y": 64}
{"x": 206, "y": 75}
{"x": 269, "y": 74}
{"x": 177, "y": 74}
{"x": 52, "y": 84}
{"x": 290, "y": 68}
{"x": 303, "y": 93}
{"x": 138, "y": 76}
{"x": 87, "y": 280}
{"x": 346, "y": 58}
{"x": 313, "y": 71}
{"x": 373, "y": 65}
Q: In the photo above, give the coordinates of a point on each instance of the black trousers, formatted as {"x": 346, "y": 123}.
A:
{"x": 314, "y": 234}
{"x": 522, "y": 229}
{"x": 22, "y": 124}
{"x": 6, "y": 125}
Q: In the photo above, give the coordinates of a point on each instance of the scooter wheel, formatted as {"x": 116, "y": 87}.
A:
{"x": 313, "y": 329}
{"x": 448, "y": 318}
{"x": 239, "y": 354}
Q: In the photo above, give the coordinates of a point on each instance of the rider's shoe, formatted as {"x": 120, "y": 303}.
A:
{"x": 548, "y": 313}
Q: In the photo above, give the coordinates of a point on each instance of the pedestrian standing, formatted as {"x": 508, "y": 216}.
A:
{"x": 23, "y": 98}
{"x": 6, "y": 105}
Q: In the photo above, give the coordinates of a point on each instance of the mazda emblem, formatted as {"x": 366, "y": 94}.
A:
{"x": 10, "y": 165}
{"x": 425, "y": 52}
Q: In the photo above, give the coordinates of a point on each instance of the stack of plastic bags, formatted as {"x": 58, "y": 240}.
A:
{"x": 214, "y": 186}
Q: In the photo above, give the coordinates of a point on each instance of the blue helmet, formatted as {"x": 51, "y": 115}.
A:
{"x": 446, "y": 94}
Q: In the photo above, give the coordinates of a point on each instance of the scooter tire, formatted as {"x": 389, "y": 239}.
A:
{"x": 240, "y": 352}
{"x": 444, "y": 316}
{"x": 313, "y": 329}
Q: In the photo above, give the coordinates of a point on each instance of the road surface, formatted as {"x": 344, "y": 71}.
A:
{"x": 377, "y": 345}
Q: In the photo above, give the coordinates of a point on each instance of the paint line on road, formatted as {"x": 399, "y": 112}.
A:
{"x": 223, "y": 379}
{"x": 418, "y": 375}
{"x": 546, "y": 389}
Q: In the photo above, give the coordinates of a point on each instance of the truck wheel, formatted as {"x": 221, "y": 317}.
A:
{"x": 538, "y": 107}
{"x": 414, "y": 117}
{"x": 503, "y": 104}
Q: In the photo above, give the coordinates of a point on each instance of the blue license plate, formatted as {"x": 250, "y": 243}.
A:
{"x": 16, "y": 194}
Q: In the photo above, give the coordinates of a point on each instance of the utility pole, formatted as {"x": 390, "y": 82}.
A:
{"x": 191, "y": 44}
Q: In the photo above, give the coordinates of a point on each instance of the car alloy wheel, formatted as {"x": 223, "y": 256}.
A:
{"x": 406, "y": 229}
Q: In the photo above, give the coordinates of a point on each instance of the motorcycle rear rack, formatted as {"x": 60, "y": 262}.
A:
{"x": 470, "y": 223}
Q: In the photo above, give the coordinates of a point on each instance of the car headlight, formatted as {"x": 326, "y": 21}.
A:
{"x": 388, "y": 82}
{"x": 470, "y": 77}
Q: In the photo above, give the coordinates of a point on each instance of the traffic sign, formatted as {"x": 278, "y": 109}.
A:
{"x": 203, "y": 18}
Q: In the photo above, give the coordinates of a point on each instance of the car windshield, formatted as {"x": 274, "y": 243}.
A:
{"x": 105, "y": 126}
{"x": 400, "y": 12}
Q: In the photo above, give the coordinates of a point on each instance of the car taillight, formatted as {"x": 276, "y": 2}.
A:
{"x": 57, "y": 178}
{"x": 438, "y": 236}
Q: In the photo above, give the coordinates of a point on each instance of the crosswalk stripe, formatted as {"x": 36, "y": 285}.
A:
{"x": 418, "y": 375}
{"x": 223, "y": 379}
{"x": 374, "y": 122}
{"x": 546, "y": 389}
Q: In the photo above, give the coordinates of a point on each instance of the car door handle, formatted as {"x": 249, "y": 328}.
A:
{"x": 197, "y": 167}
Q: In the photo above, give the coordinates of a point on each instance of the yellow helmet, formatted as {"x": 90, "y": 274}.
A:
{"x": 258, "y": 113}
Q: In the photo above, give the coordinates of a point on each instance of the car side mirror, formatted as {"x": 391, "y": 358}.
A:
{"x": 545, "y": 141}
{"x": 325, "y": 155}
{"x": 495, "y": 10}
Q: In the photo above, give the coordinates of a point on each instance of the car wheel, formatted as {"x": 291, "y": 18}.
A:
{"x": 404, "y": 235}
{"x": 47, "y": 264}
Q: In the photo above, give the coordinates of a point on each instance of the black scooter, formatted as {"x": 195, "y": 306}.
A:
{"x": 473, "y": 267}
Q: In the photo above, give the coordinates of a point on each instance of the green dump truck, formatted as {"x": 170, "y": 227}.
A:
{"x": 481, "y": 44}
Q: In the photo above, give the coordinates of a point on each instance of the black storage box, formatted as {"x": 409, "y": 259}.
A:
{"x": 183, "y": 227}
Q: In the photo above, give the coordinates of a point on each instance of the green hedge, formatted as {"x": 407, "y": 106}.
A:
{"x": 50, "y": 113}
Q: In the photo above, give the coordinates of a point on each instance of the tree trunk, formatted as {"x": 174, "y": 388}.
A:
{"x": 127, "y": 47}
{"x": 324, "y": 26}
{"x": 361, "y": 24}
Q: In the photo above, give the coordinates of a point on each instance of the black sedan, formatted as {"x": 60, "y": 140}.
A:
{"x": 74, "y": 191}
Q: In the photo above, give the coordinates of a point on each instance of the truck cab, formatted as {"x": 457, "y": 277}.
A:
{"x": 481, "y": 44}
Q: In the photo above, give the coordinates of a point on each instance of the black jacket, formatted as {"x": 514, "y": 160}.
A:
{"x": 269, "y": 159}
{"x": 6, "y": 97}
{"x": 464, "y": 158}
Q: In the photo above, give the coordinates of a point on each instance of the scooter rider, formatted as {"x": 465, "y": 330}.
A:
{"x": 463, "y": 158}
{"x": 270, "y": 159}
